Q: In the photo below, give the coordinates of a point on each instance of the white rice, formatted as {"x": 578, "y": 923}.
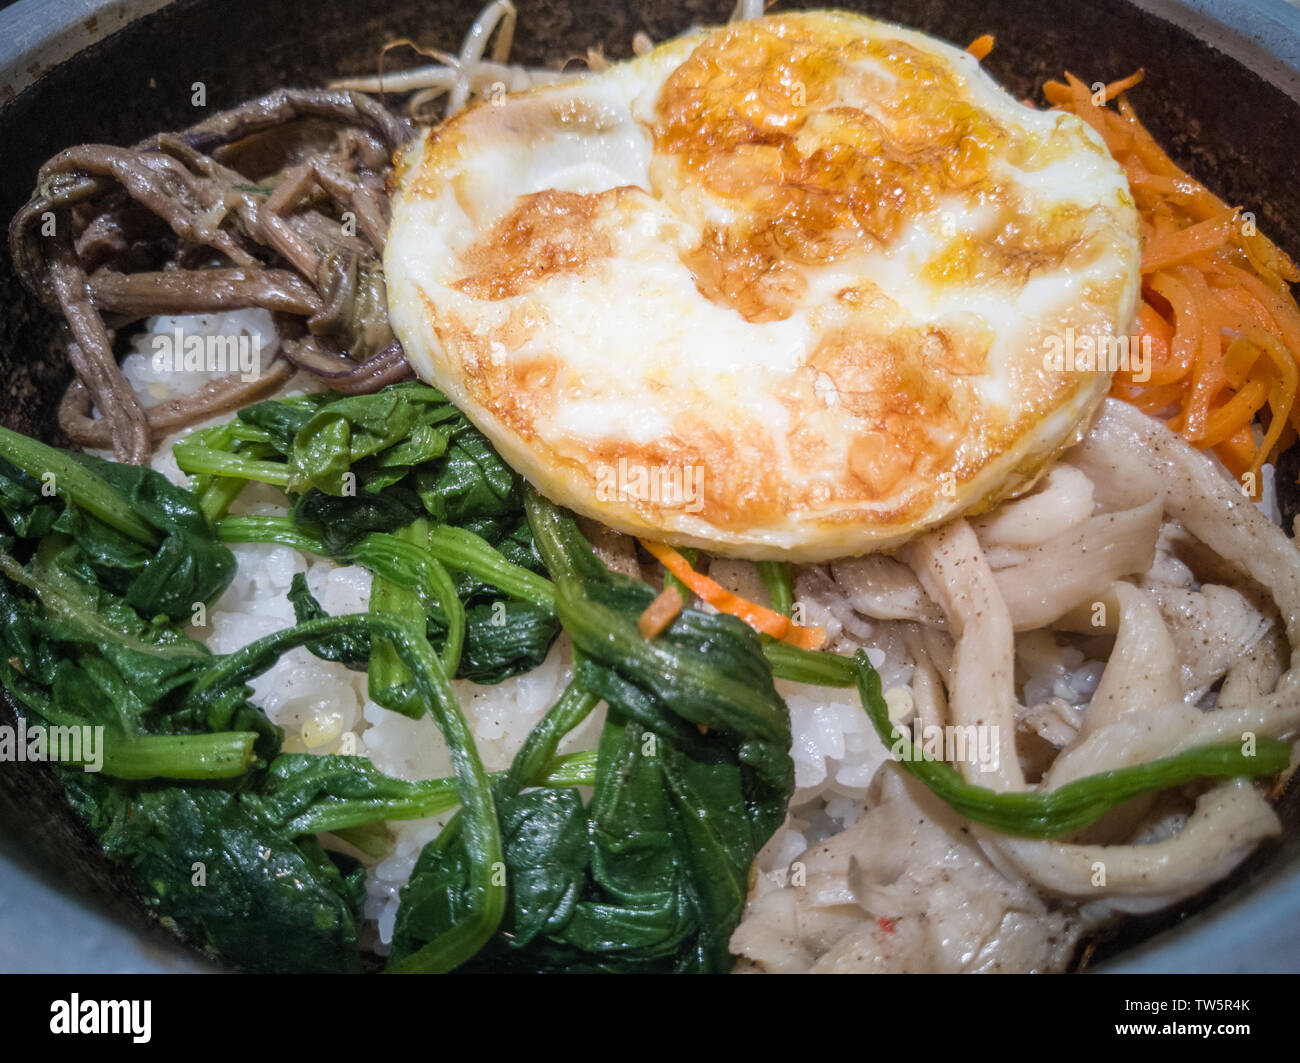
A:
{"x": 154, "y": 386}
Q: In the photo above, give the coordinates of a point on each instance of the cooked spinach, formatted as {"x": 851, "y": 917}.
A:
{"x": 355, "y": 449}
{"x": 347, "y": 650}
{"x": 402, "y": 483}
{"x": 504, "y": 638}
{"x": 100, "y": 563}
{"x": 144, "y": 538}
{"x": 776, "y": 578}
{"x": 341, "y": 523}
{"x": 247, "y": 891}
{"x": 307, "y": 794}
{"x": 509, "y": 631}
{"x": 654, "y": 874}
{"x": 483, "y": 896}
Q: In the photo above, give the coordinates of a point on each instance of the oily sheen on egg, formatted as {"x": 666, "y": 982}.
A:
{"x": 782, "y": 289}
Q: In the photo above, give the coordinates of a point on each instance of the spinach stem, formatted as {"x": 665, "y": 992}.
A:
{"x": 406, "y": 566}
{"x": 1052, "y": 813}
{"x": 461, "y": 549}
{"x": 817, "y": 667}
{"x": 220, "y": 755}
{"x": 281, "y": 530}
{"x": 205, "y": 453}
{"x": 76, "y": 484}
{"x": 538, "y": 751}
{"x": 432, "y": 797}
{"x": 776, "y": 578}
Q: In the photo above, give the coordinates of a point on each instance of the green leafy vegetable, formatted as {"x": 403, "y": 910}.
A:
{"x": 819, "y": 668}
{"x": 347, "y": 650}
{"x": 501, "y": 636}
{"x": 505, "y": 638}
{"x": 375, "y": 438}
{"x": 307, "y": 794}
{"x": 494, "y": 617}
{"x": 653, "y": 875}
{"x": 341, "y": 523}
{"x": 145, "y": 538}
{"x": 232, "y": 882}
{"x": 74, "y": 482}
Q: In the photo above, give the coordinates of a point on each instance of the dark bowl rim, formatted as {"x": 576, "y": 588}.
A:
{"x": 1255, "y": 928}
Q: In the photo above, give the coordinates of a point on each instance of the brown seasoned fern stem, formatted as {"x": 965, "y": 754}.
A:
{"x": 199, "y": 291}
{"x": 160, "y": 183}
{"x": 351, "y": 193}
{"x": 215, "y": 397}
{"x": 389, "y": 366}
{"x": 90, "y": 350}
{"x": 378, "y": 372}
{"x": 284, "y": 105}
{"x": 230, "y": 239}
{"x": 289, "y": 193}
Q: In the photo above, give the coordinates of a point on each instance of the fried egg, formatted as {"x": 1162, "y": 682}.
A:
{"x": 787, "y": 288}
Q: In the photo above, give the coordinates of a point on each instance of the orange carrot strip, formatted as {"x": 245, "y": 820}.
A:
{"x": 656, "y": 617}
{"x": 1207, "y": 371}
{"x": 1083, "y": 107}
{"x": 1234, "y": 414}
{"x": 806, "y": 638}
{"x": 1281, "y": 398}
{"x": 1237, "y": 452}
{"x": 1280, "y": 307}
{"x": 1173, "y": 247}
{"x": 768, "y": 621}
{"x": 981, "y": 46}
{"x": 1158, "y": 333}
{"x": 1239, "y": 360}
{"x": 1217, "y": 309}
{"x": 1152, "y": 400}
{"x": 1057, "y": 93}
{"x": 760, "y": 618}
{"x": 1185, "y": 339}
{"x": 1114, "y": 89}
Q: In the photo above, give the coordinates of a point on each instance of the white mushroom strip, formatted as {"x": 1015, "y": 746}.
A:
{"x": 1057, "y": 576}
{"x": 1256, "y": 674}
{"x": 825, "y": 604}
{"x": 1143, "y": 672}
{"x": 903, "y": 889}
{"x": 982, "y": 694}
{"x": 1063, "y": 499}
{"x": 928, "y": 694}
{"x": 1229, "y": 821}
{"x": 1212, "y": 508}
{"x": 1213, "y": 627}
{"x": 883, "y": 588}
{"x": 1165, "y": 576}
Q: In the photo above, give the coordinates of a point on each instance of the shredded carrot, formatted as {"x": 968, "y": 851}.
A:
{"x": 660, "y": 613}
{"x": 1217, "y": 313}
{"x": 759, "y": 617}
{"x": 981, "y": 46}
{"x": 1176, "y": 245}
{"x": 1115, "y": 88}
